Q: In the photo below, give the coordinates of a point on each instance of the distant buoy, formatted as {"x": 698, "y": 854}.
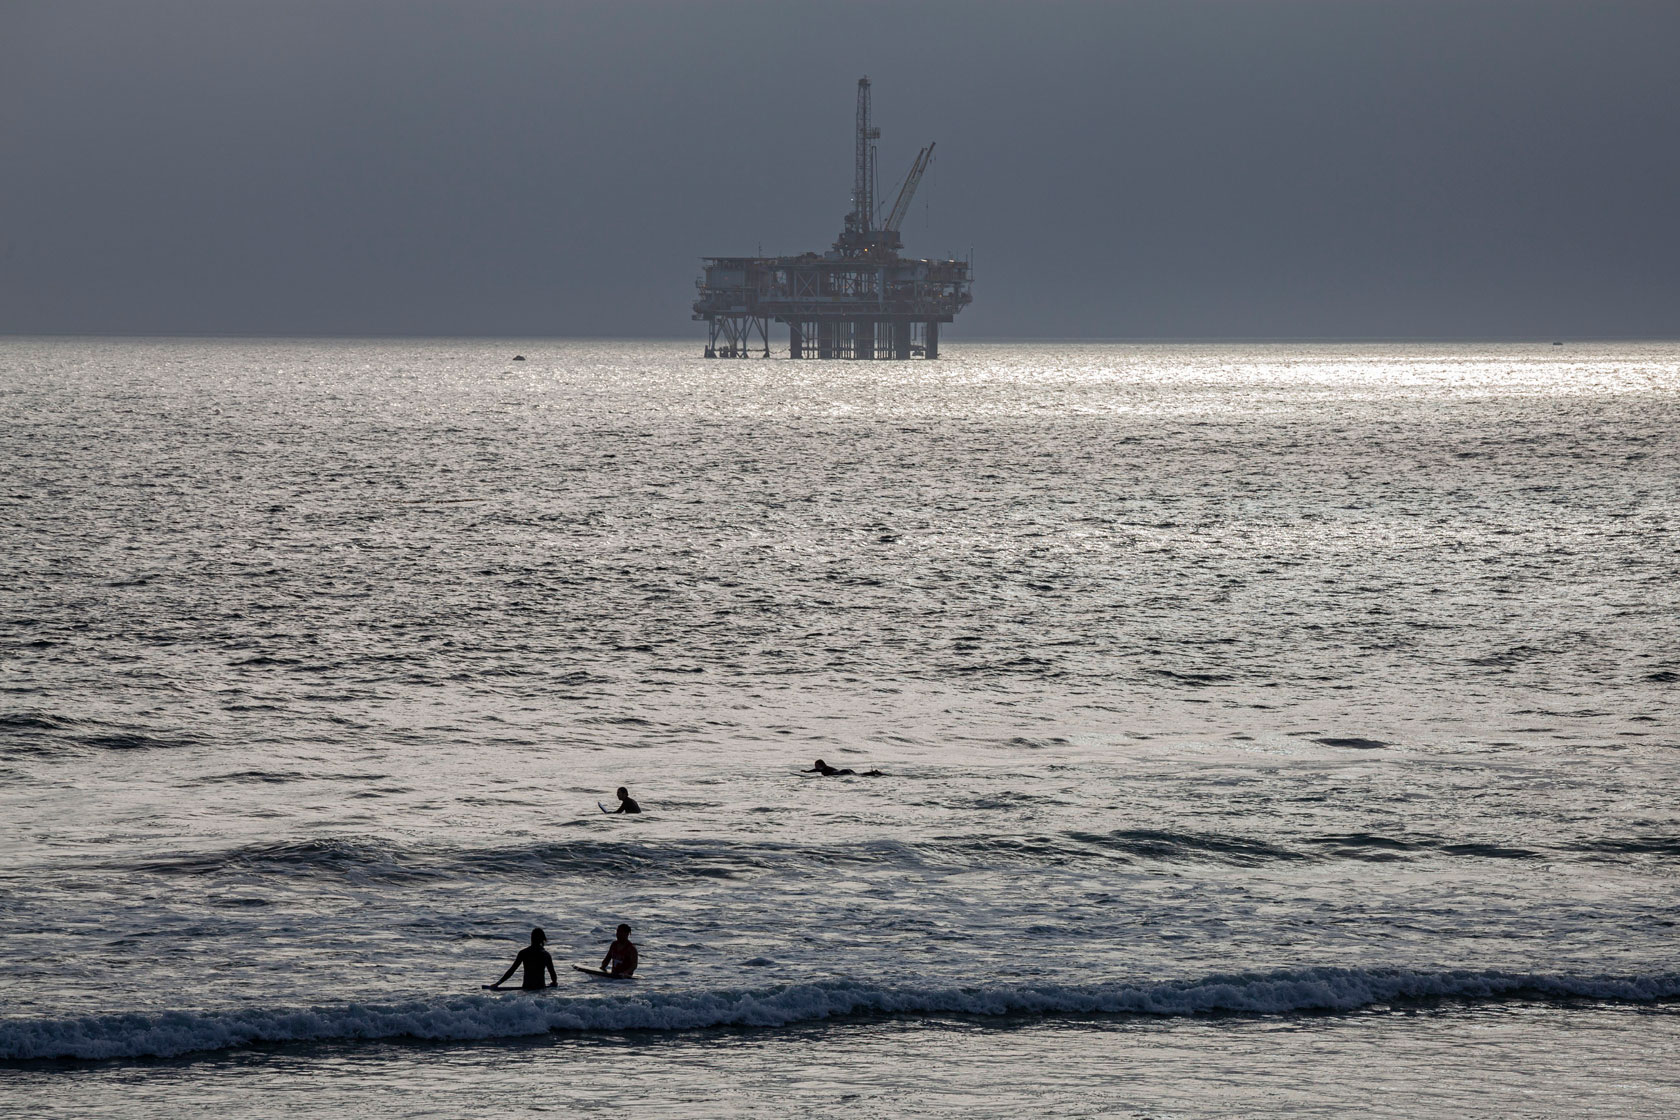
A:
{"x": 519, "y": 357}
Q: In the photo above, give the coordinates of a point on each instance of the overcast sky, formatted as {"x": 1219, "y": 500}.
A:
{"x": 1183, "y": 168}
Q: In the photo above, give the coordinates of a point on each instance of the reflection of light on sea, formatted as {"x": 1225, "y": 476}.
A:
{"x": 1180, "y": 661}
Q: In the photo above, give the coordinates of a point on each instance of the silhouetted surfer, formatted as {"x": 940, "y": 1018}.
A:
{"x": 621, "y": 958}
{"x": 626, "y": 803}
{"x": 536, "y": 960}
{"x": 828, "y": 771}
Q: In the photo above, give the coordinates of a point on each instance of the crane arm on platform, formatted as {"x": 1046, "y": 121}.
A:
{"x": 908, "y": 191}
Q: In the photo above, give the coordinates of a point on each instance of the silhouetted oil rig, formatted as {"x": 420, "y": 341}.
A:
{"x": 858, "y": 300}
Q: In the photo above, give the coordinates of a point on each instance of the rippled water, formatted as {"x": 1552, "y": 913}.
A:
{"x": 1250, "y": 714}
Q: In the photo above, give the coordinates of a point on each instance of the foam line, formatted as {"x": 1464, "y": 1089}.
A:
{"x": 512, "y": 1015}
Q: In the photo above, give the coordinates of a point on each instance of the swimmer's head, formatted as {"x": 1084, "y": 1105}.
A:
{"x": 538, "y": 936}
{"x": 623, "y": 794}
{"x": 624, "y": 931}
{"x": 821, "y": 764}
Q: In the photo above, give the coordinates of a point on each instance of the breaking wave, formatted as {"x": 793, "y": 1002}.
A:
{"x": 519, "y": 1014}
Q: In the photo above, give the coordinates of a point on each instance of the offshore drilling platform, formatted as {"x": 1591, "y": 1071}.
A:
{"x": 861, "y": 299}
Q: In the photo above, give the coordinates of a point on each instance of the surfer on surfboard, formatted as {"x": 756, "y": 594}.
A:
{"x": 621, "y": 959}
{"x": 626, "y": 803}
{"x": 536, "y": 960}
{"x": 828, "y": 771}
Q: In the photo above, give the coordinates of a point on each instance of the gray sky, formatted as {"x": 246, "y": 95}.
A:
{"x": 1182, "y": 168}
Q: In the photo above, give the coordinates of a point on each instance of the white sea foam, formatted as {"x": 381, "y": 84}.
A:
{"x": 515, "y": 1014}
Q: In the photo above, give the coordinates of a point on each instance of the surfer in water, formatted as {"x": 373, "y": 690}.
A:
{"x": 621, "y": 959}
{"x": 536, "y": 961}
{"x": 828, "y": 771}
{"x": 626, "y": 803}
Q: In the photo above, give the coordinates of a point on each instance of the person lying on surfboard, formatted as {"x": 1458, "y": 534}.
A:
{"x": 626, "y": 803}
{"x": 536, "y": 960}
{"x": 828, "y": 771}
{"x": 621, "y": 959}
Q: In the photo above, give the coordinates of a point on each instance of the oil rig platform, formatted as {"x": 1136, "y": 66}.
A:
{"x": 861, "y": 299}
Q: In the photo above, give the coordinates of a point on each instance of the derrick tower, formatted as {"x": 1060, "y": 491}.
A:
{"x": 860, "y": 299}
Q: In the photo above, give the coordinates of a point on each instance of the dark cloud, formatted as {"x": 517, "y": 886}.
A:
{"x": 1177, "y": 168}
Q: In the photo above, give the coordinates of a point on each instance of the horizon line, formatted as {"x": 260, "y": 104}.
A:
{"x": 983, "y": 339}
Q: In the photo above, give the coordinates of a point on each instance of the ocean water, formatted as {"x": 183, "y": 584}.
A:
{"x": 1267, "y": 729}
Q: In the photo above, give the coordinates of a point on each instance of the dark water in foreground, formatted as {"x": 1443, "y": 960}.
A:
{"x": 1268, "y": 729}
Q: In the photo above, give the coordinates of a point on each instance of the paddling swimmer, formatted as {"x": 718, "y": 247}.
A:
{"x": 621, "y": 959}
{"x": 536, "y": 960}
{"x": 828, "y": 771}
{"x": 626, "y": 803}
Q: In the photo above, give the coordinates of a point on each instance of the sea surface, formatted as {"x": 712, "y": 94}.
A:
{"x": 1266, "y": 729}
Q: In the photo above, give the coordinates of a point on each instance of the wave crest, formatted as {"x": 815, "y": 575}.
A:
{"x": 516, "y": 1014}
